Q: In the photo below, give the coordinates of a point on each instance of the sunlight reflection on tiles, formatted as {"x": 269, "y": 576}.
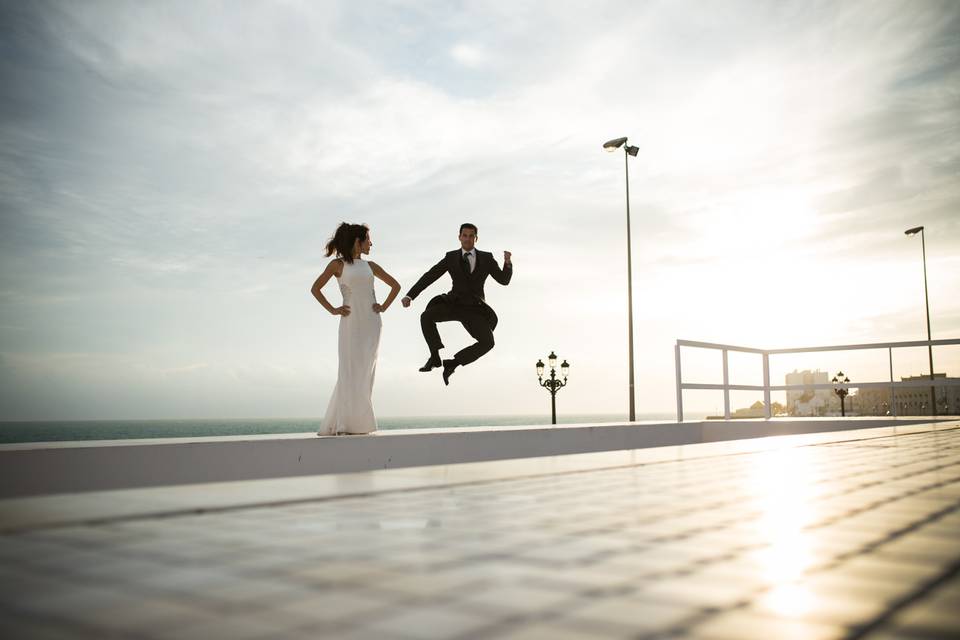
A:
{"x": 781, "y": 483}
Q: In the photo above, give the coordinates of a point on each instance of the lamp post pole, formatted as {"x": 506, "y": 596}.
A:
{"x": 553, "y": 383}
{"x": 926, "y": 300}
{"x": 626, "y": 167}
{"x": 628, "y": 150}
{"x": 841, "y": 391}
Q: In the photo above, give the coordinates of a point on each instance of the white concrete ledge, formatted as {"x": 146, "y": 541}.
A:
{"x": 66, "y": 467}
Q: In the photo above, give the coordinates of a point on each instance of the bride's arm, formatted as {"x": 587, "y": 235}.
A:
{"x": 390, "y": 281}
{"x": 333, "y": 269}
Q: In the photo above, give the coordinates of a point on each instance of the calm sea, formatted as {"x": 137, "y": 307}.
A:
{"x": 11, "y": 432}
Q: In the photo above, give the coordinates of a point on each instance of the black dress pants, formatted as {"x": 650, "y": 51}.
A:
{"x": 478, "y": 319}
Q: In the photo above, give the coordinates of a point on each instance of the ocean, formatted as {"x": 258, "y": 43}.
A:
{"x": 68, "y": 430}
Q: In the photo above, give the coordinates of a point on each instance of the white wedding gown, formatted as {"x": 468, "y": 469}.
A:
{"x": 351, "y": 406}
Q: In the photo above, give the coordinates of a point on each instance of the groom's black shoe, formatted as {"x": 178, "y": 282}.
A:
{"x": 448, "y": 367}
{"x": 432, "y": 363}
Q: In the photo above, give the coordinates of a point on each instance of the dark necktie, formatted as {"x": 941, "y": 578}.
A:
{"x": 466, "y": 263}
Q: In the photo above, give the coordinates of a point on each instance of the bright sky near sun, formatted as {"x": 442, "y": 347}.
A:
{"x": 171, "y": 171}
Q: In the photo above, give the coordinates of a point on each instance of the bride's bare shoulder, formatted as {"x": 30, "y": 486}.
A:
{"x": 335, "y": 266}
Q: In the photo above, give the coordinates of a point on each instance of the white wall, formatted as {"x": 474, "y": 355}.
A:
{"x": 64, "y": 467}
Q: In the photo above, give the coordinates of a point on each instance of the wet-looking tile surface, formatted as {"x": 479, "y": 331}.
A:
{"x": 846, "y": 538}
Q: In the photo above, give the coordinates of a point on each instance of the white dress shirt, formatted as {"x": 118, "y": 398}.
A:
{"x": 471, "y": 258}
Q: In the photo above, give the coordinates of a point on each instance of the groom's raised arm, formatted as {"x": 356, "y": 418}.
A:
{"x": 502, "y": 275}
{"x": 428, "y": 278}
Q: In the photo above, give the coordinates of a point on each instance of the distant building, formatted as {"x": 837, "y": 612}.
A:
{"x": 810, "y": 402}
{"x": 911, "y": 401}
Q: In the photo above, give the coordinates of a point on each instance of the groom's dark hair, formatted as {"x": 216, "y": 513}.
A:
{"x": 467, "y": 225}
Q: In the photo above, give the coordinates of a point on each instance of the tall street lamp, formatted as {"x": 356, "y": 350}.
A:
{"x": 841, "y": 391}
{"x": 613, "y": 145}
{"x": 553, "y": 384}
{"x": 926, "y": 299}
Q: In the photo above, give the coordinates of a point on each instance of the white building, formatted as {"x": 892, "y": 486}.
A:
{"x": 810, "y": 402}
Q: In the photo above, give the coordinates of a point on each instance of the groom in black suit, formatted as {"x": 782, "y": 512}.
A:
{"x": 468, "y": 268}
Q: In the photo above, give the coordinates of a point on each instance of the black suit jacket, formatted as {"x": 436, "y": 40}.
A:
{"x": 467, "y": 288}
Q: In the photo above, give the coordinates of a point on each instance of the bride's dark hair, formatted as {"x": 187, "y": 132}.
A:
{"x": 345, "y": 238}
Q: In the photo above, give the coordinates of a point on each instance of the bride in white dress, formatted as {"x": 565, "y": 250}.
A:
{"x": 351, "y": 405}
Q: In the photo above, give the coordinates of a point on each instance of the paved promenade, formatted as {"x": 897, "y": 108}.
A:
{"x": 839, "y": 535}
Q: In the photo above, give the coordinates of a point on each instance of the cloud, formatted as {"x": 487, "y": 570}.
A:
{"x": 469, "y": 55}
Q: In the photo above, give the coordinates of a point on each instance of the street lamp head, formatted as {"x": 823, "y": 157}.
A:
{"x": 539, "y": 368}
{"x": 913, "y": 231}
{"x": 565, "y": 369}
{"x": 834, "y": 379}
{"x": 613, "y": 145}
{"x": 552, "y": 359}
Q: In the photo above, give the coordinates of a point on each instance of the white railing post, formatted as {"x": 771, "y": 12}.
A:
{"x": 893, "y": 387}
{"x": 766, "y": 385}
{"x": 676, "y": 356}
{"x": 726, "y": 388}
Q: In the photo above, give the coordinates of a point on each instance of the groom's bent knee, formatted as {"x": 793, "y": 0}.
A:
{"x": 434, "y": 314}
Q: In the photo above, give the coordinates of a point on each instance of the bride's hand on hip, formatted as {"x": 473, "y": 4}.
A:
{"x": 342, "y": 311}
{"x": 378, "y": 308}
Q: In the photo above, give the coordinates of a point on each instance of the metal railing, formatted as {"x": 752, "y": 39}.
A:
{"x": 766, "y": 387}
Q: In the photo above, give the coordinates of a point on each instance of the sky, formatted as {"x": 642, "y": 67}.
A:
{"x": 171, "y": 172}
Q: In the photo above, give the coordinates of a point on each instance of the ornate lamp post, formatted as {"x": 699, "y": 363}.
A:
{"x": 613, "y": 145}
{"x": 841, "y": 391}
{"x": 926, "y": 299}
{"x": 553, "y": 384}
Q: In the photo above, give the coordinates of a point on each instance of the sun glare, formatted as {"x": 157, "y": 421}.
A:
{"x": 756, "y": 223}
{"x": 783, "y": 484}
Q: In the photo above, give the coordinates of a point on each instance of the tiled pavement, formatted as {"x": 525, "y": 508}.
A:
{"x": 852, "y": 536}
